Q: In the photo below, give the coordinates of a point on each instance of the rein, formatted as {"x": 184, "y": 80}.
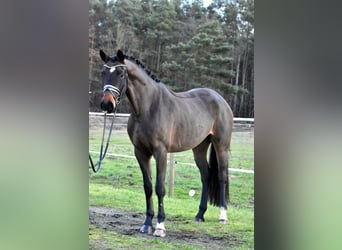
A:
{"x": 117, "y": 95}
{"x": 96, "y": 167}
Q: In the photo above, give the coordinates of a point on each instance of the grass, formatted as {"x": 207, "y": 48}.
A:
{"x": 119, "y": 182}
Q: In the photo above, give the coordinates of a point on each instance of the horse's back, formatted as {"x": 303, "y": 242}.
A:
{"x": 212, "y": 100}
{"x": 205, "y": 94}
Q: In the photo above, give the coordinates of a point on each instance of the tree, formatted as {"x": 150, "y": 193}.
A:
{"x": 183, "y": 43}
{"x": 202, "y": 61}
{"x": 160, "y": 22}
{"x": 238, "y": 25}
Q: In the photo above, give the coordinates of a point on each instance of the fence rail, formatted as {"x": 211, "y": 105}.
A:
{"x": 236, "y": 119}
{"x": 102, "y": 114}
{"x": 176, "y": 162}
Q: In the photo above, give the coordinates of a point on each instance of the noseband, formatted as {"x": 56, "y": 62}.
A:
{"x": 116, "y": 93}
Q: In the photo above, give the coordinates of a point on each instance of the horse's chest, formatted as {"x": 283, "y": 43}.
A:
{"x": 141, "y": 134}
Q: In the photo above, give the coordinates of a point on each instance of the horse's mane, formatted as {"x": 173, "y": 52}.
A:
{"x": 142, "y": 66}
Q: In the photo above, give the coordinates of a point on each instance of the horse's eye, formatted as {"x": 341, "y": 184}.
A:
{"x": 122, "y": 76}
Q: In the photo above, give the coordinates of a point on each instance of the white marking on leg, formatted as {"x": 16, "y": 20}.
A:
{"x": 223, "y": 214}
{"x": 160, "y": 230}
{"x": 160, "y": 226}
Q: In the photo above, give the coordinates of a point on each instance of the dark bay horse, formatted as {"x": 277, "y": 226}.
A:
{"x": 163, "y": 121}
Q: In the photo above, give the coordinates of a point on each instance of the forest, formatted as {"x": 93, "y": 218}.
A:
{"x": 183, "y": 43}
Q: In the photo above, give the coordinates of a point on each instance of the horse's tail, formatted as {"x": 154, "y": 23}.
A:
{"x": 213, "y": 180}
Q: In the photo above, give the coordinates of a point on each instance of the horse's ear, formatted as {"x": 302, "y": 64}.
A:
{"x": 120, "y": 56}
{"x": 103, "y": 56}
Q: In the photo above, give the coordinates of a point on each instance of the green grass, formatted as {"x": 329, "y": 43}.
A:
{"x": 119, "y": 182}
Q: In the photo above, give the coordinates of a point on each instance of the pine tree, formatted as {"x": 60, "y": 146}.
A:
{"x": 203, "y": 60}
{"x": 161, "y": 23}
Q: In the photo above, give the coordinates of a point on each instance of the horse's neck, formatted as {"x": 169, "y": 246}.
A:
{"x": 141, "y": 89}
{"x": 133, "y": 100}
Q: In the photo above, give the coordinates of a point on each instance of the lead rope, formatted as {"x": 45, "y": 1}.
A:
{"x": 117, "y": 94}
{"x": 102, "y": 154}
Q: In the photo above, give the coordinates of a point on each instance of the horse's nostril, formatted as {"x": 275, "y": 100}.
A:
{"x": 110, "y": 107}
{"x": 102, "y": 106}
{"x": 107, "y": 106}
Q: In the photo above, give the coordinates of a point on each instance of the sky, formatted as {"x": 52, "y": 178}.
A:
{"x": 206, "y": 3}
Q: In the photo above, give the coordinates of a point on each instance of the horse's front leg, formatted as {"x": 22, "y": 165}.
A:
{"x": 160, "y": 156}
{"x": 145, "y": 166}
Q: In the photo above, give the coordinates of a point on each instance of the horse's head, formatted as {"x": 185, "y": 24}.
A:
{"x": 114, "y": 78}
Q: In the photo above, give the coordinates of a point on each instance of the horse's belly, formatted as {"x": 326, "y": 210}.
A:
{"x": 176, "y": 136}
{"x": 187, "y": 137}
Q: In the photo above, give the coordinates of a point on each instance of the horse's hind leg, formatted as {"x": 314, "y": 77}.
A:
{"x": 200, "y": 155}
{"x": 222, "y": 161}
{"x": 224, "y": 184}
{"x": 145, "y": 166}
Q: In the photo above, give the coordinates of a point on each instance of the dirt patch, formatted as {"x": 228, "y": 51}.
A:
{"x": 128, "y": 223}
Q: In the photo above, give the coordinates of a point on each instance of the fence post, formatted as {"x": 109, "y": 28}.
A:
{"x": 172, "y": 175}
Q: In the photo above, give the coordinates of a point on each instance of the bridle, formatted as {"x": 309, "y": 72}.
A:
{"x": 112, "y": 89}
{"x": 117, "y": 94}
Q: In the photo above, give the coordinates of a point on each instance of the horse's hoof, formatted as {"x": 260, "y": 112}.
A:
{"x": 199, "y": 219}
{"x": 146, "y": 229}
{"x": 159, "y": 232}
{"x": 223, "y": 221}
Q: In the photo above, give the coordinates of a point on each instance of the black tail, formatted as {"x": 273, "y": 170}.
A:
{"x": 213, "y": 180}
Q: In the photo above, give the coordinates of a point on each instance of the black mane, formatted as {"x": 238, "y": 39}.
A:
{"x": 137, "y": 62}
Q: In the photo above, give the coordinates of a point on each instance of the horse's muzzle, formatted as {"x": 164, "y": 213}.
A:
{"x": 108, "y": 106}
{"x": 108, "y": 102}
